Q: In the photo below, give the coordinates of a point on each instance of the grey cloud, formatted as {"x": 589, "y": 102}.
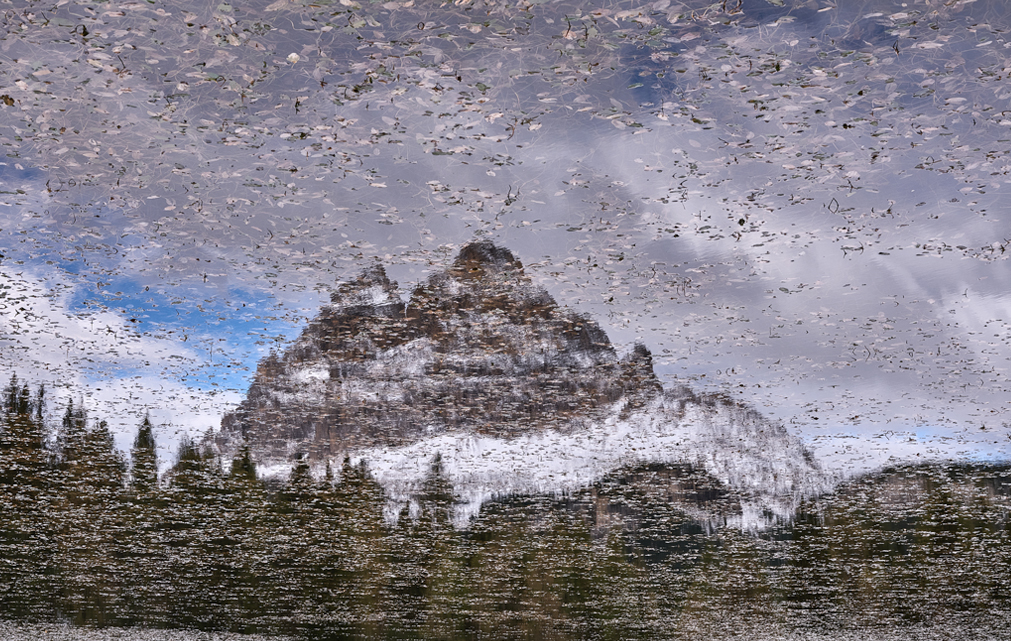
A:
{"x": 757, "y": 205}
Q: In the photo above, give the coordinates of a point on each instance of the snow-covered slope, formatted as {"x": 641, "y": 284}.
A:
{"x": 757, "y": 461}
{"x": 515, "y": 394}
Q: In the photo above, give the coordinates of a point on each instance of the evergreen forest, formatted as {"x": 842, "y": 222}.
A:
{"x": 93, "y": 538}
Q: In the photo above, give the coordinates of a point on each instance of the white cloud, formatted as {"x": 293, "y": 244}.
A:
{"x": 100, "y": 359}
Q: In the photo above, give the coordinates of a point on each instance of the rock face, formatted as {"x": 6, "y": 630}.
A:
{"x": 477, "y": 348}
{"x": 511, "y": 392}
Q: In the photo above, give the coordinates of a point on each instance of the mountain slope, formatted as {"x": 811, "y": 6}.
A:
{"x": 512, "y": 392}
{"x": 476, "y": 347}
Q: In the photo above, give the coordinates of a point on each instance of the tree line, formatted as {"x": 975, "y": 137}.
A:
{"x": 93, "y": 537}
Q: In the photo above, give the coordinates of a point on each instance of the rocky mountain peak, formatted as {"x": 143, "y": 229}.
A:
{"x": 516, "y": 393}
{"x": 372, "y": 287}
{"x": 484, "y": 279}
{"x": 477, "y": 347}
{"x": 483, "y": 259}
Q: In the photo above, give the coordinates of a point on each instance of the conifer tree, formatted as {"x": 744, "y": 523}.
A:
{"x": 443, "y": 553}
{"x": 243, "y": 469}
{"x": 90, "y": 486}
{"x": 23, "y": 458}
{"x": 418, "y": 549}
{"x": 194, "y": 470}
{"x": 91, "y": 468}
{"x": 192, "y": 532}
{"x": 328, "y": 475}
{"x": 106, "y": 465}
{"x": 70, "y": 438}
{"x": 298, "y": 544}
{"x": 300, "y": 486}
{"x": 362, "y": 547}
{"x": 243, "y": 554}
{"x": 27, "y": 586}
{"x": 141, "y": 544}
{"x": 144, "y": 455}
{"x": 437, "y": 498}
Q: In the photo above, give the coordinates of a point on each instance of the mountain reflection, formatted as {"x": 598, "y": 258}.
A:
{"x": 749, "y": 380}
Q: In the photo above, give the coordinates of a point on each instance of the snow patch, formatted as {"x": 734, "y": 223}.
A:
{"x": 730, "y": 444}
{"x": 410, "y": 360}
{"x": 310, "y": 374}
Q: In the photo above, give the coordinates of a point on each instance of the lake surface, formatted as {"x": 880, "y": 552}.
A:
{"x": 800, "y": 205}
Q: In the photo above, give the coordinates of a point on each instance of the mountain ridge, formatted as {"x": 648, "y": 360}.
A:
{"x": 495, "y": 352}
{"x": 483, "y": 370}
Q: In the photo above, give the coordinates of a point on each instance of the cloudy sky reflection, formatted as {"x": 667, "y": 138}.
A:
{"x": 801, "y": 204}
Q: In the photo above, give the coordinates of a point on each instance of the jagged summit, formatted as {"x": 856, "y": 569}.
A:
{"x": 372, "y": 292}
{"x": 477, "y": 347}
{"x": 511, "y": 391}
{"x": 480, "y": 259}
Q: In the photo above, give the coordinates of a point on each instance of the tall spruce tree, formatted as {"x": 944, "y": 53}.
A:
{"x": 91, "y": 468}
{"x": 195, "y": 470}
{"x": 300, "y": 488}
{"x": 141, "y": 542}
{"x": 23, "y": 453}
{"x": 144, "y": 456}
{"x": 242, "y": 553}
{"x": 243, "y": 469}
{"x": 192, "y": 533}
{"x": 89, "y": 492}
{"x": 27, "y": 584}
{"x": 70, "y": 437}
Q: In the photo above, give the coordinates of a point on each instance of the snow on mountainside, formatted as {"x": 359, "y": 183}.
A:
{"x": 514, "y": 393}
{"x": 759, "y": 462}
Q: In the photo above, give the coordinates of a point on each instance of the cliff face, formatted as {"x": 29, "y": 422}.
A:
{"x": 484, "y": 372}
{"x": 477, "y": 348}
